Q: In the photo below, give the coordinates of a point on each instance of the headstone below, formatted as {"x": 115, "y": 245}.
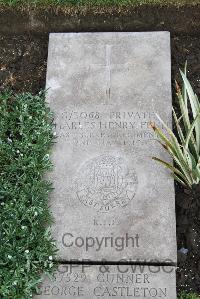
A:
{"x": 89, "y": 282}
{"x": 111, "y": 201}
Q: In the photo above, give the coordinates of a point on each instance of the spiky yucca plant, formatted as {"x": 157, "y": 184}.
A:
{"x": 185, "y": 147}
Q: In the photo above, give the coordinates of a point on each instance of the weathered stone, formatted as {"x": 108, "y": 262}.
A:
{"x": 111, "y": 201}
{"x": 89, "y": 282}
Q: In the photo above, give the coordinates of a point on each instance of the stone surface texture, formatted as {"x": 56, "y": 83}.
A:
{"x": 111, "y": 201}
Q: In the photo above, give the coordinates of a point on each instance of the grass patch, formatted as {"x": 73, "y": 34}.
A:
{"x": 26, "y": 248}
{"x": 76, "y": 3}
{"x": 184, "y": 295}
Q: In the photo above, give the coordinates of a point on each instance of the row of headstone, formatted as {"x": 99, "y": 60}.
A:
{"x": 113, "y": 206}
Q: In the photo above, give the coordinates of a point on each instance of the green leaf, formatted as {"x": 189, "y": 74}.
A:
{"x": 178, "y": 155}
{"x": 169, "y": 166}
{"x": 189, "y": 134}
{"x": 177, "y": 122}
{"x": 195, "y": 105}
{"x": 182, "y": 182}
{"x": 185, "y": 99}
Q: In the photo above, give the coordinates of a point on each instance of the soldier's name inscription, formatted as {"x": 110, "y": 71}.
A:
{"x": 108, "y": 127}
{"x": 105, "y": 292}
{"x": 105, "y": 281}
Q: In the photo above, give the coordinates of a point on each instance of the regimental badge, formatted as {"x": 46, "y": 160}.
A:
{"x": 106, "y": 183}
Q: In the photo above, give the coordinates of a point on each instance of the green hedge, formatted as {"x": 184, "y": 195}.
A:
{"x": 185, "y": 295}
{"x": 26, "y": 248}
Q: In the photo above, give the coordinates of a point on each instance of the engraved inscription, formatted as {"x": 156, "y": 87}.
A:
{"x": 106, "y": 183}
{"x": 105, "y": 128}
{"x": 105, "y": 281}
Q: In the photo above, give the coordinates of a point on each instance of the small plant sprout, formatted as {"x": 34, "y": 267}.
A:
{"x": 185, "y": 147}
